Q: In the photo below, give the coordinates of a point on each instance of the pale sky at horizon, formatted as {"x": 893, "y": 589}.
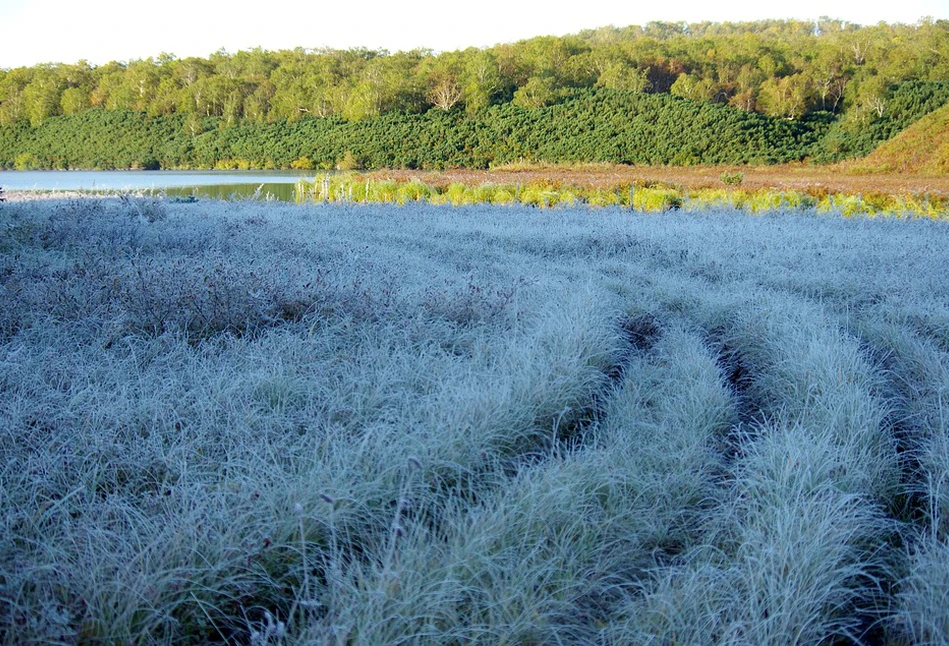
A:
{"x": 66, "y": 31}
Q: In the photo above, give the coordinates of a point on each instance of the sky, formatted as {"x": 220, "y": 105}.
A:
{"x": 99, "y": 31}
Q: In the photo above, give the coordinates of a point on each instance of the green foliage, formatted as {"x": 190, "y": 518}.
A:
{"x": 349, "y": 162}
{"x": 732, "y": 178}
{"x": 99, "y": 139}
{"x": 353, "y": 187}
{"x": 782, "y": 68}
{"x": 860, "y": 132}
{"x": 26, "y": 161}
{"x": 657, "y": 199}
{"x": 538, "y": 92}
{"x": 788, "y": 82}
{"x": 588, "y": 126}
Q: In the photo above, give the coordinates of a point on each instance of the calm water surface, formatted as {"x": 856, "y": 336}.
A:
{"x": 202, "y": 183}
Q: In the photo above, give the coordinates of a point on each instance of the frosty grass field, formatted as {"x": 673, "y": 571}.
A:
{"x": 269, "y": 423}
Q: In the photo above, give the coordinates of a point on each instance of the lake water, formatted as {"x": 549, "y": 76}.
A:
{"x": 201, "y": 183}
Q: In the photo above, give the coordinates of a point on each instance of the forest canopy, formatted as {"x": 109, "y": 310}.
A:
{"x": 848, "y": 85}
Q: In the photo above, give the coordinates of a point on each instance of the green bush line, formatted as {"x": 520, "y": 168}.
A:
{"x": 356, "y": 188}
{"x": 587, "y": 126}
{"x": 601, "y": 125}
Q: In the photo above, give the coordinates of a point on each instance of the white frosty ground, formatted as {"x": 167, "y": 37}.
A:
{"x": 302, "y": 424}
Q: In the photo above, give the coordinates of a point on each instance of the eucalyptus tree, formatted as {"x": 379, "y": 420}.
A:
{"x": 42, "y": 96}
{"x": 482, "y": 80}
{"x": 443, "y": 79}
{"x": 12, "y": 84}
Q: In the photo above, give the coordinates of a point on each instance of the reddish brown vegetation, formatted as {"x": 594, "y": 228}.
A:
{"x": 810, "y": 179}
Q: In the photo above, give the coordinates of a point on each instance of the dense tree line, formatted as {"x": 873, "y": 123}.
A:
{"x": 779, "y": 68}
{"x": 179, "y": 112}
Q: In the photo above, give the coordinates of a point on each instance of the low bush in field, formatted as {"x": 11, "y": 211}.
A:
{"x": 274, "y": 423}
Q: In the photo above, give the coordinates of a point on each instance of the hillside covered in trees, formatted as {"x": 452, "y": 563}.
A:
{"x": 665, "y": 93}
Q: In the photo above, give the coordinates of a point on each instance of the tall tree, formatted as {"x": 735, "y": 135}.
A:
{"x": 43, "y": 95}
{"x": 482, "y": 80}
{"x": 443, "y": 77}
{"x": 788, "y": 96}
{"x": 12, "y": 84}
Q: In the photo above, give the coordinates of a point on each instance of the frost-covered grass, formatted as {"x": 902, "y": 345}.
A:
{"x": 269, "y": 423}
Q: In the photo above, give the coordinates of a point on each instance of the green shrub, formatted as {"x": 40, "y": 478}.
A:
{"x": 27, "y": 161}
{"x": 303, "y": 163}
{"x": 657, "y": 199}
{"x": 349, "y": 161}
{"x": 413, "y": 191}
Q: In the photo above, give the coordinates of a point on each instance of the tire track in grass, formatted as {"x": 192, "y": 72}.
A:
{"x": 915, "y": 384}
{"x": 526, "y": 401}
{"x": 801, "y": 552}
{"x": 699, "y": 304}
{"x": 673, "y": 411}
{"x": 813, "y": 376}
{"x": 804, "y": 368}
{"x": 550, "y": 553}
{"x": 573, "y": 528}
{"x": 801, "y": 499}
{"x": 331, "y": 510}
{"x": 423, "y": 459}
{"x": 917, "y": 373}
{"x": 754, "y": 410}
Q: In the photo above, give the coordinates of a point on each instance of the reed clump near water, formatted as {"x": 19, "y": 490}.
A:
{"x": 650, "y": 197}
